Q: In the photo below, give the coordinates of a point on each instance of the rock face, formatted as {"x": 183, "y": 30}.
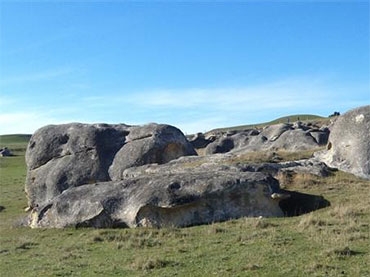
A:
{"x": 349, "y": 143}
{"x": 129, "y": 176}
{"x": 162, "y": 200}
{"x": 292, "y": 137}
{"x": 200, "y": 141}
{"x": 70, "y": 155}
{"x": 150, "y": 144}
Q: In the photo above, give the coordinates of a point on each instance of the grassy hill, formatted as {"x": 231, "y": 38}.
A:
{"x": 14, "y": 139}
{"x": 329, "y": 242}
{"x": 16, "y": 143}
{"x": 285, "y": 119}
{"x": 22, "y": 139}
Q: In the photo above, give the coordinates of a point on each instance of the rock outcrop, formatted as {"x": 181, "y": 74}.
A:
{"x": 160, "y": 200}
{"x": 292, "y": 137}
{"x": 70, "y": 155}
{"x": 149, "y": 144}
{"x": 187, "y": 191}
{"x": 129, "y": 176}
{"x": 200, "y": 141}
{"x": 348, "y": 148}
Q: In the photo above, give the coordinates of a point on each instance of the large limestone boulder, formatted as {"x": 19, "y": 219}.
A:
{"x": 163, "y": 199}
{"x": 129, "y": 176}
{"x": 291, "y": 137}
{"x": 148, "y": 144}
{"x": 222, "y": 145}
{"x": 62, "y": 156}
{"x": 70, "y": 155}
{"x": 273, "y": 132}
{"x": 295, "y": 140}
{"x": 200, "y": 141}
{"x": 349, "y": 143}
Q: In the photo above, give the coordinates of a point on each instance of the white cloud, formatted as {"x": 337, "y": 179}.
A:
{"x": 6, "y": 101}
{"x": 26, "y": 122}
{"x": 277, "y": 95}
{"x": 191, "y": 109}
{"x": 13, "y": 123}
{"x": 36, "y": 76}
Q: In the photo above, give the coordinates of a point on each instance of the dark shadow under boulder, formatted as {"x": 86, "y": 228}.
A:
{"x": 301, "y": 203}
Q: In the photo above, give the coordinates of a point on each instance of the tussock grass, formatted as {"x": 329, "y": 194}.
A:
{"x": 146, "y": 264}
{"x": 346, "y": 211}
{"x": 310, "y": 221}
{"x": 288, "y": 179}
{"x": 268, "y": 156}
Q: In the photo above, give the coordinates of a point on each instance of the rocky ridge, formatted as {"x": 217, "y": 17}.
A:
{"x": 348, "y": 148}
{"x": 104, "y": 175}
{"x": 288, "y": 136}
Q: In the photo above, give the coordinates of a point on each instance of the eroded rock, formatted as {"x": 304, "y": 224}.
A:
{"x": 59, "y": 157}
{"x": 284, "y": 136}
{"x": 348, "y": 148}
{"x": 148, "y": 144}
{"x": 129, "y": 176}
{"x": 163, "y": 200}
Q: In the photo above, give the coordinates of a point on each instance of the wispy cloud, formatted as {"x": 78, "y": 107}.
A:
{"x": 191, "y": 109}
{"x": 6, "y": 101}
{"x": 282, "y": 94}
{"x": 36, "y": 76}
{"x": 27, "y": 122}
{"x": 20, "y": 122}
{"x": 199, "y": 109}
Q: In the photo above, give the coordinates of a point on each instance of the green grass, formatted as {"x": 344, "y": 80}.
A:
{"x": 328, "y": 242}
{"x": 16, "y": 143}
{"x": 14, "y": 139}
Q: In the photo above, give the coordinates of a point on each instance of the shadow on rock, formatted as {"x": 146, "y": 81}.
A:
{"x": 300, "y": 203}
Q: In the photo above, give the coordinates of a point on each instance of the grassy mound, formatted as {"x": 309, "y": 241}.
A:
{"x": 285, "y": 119}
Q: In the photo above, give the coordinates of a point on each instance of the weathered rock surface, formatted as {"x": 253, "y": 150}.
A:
{"x": 128, "y": 176}
{"x": 64, "y": 156}
{"x": 349, "y": 143}
{"x": 187, "y": 191}
{"x": 292, "y": 137}
{"x": 159, "y": 199}
{"x": 151, "y": 143}
{"x": 200, "y": 141}
{"x": 224, "y": 163}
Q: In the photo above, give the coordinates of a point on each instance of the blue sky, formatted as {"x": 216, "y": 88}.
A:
{"x": 196, "y": 65}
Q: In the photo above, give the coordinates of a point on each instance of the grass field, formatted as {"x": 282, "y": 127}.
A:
{"x": 333, "y": 241}
{"x": 14, "y": 142}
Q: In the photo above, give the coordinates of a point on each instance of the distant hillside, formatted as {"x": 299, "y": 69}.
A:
{"x": 284, "y": 119}
{"x": 15, "y": 142}
{"x": 21, "y": 140}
